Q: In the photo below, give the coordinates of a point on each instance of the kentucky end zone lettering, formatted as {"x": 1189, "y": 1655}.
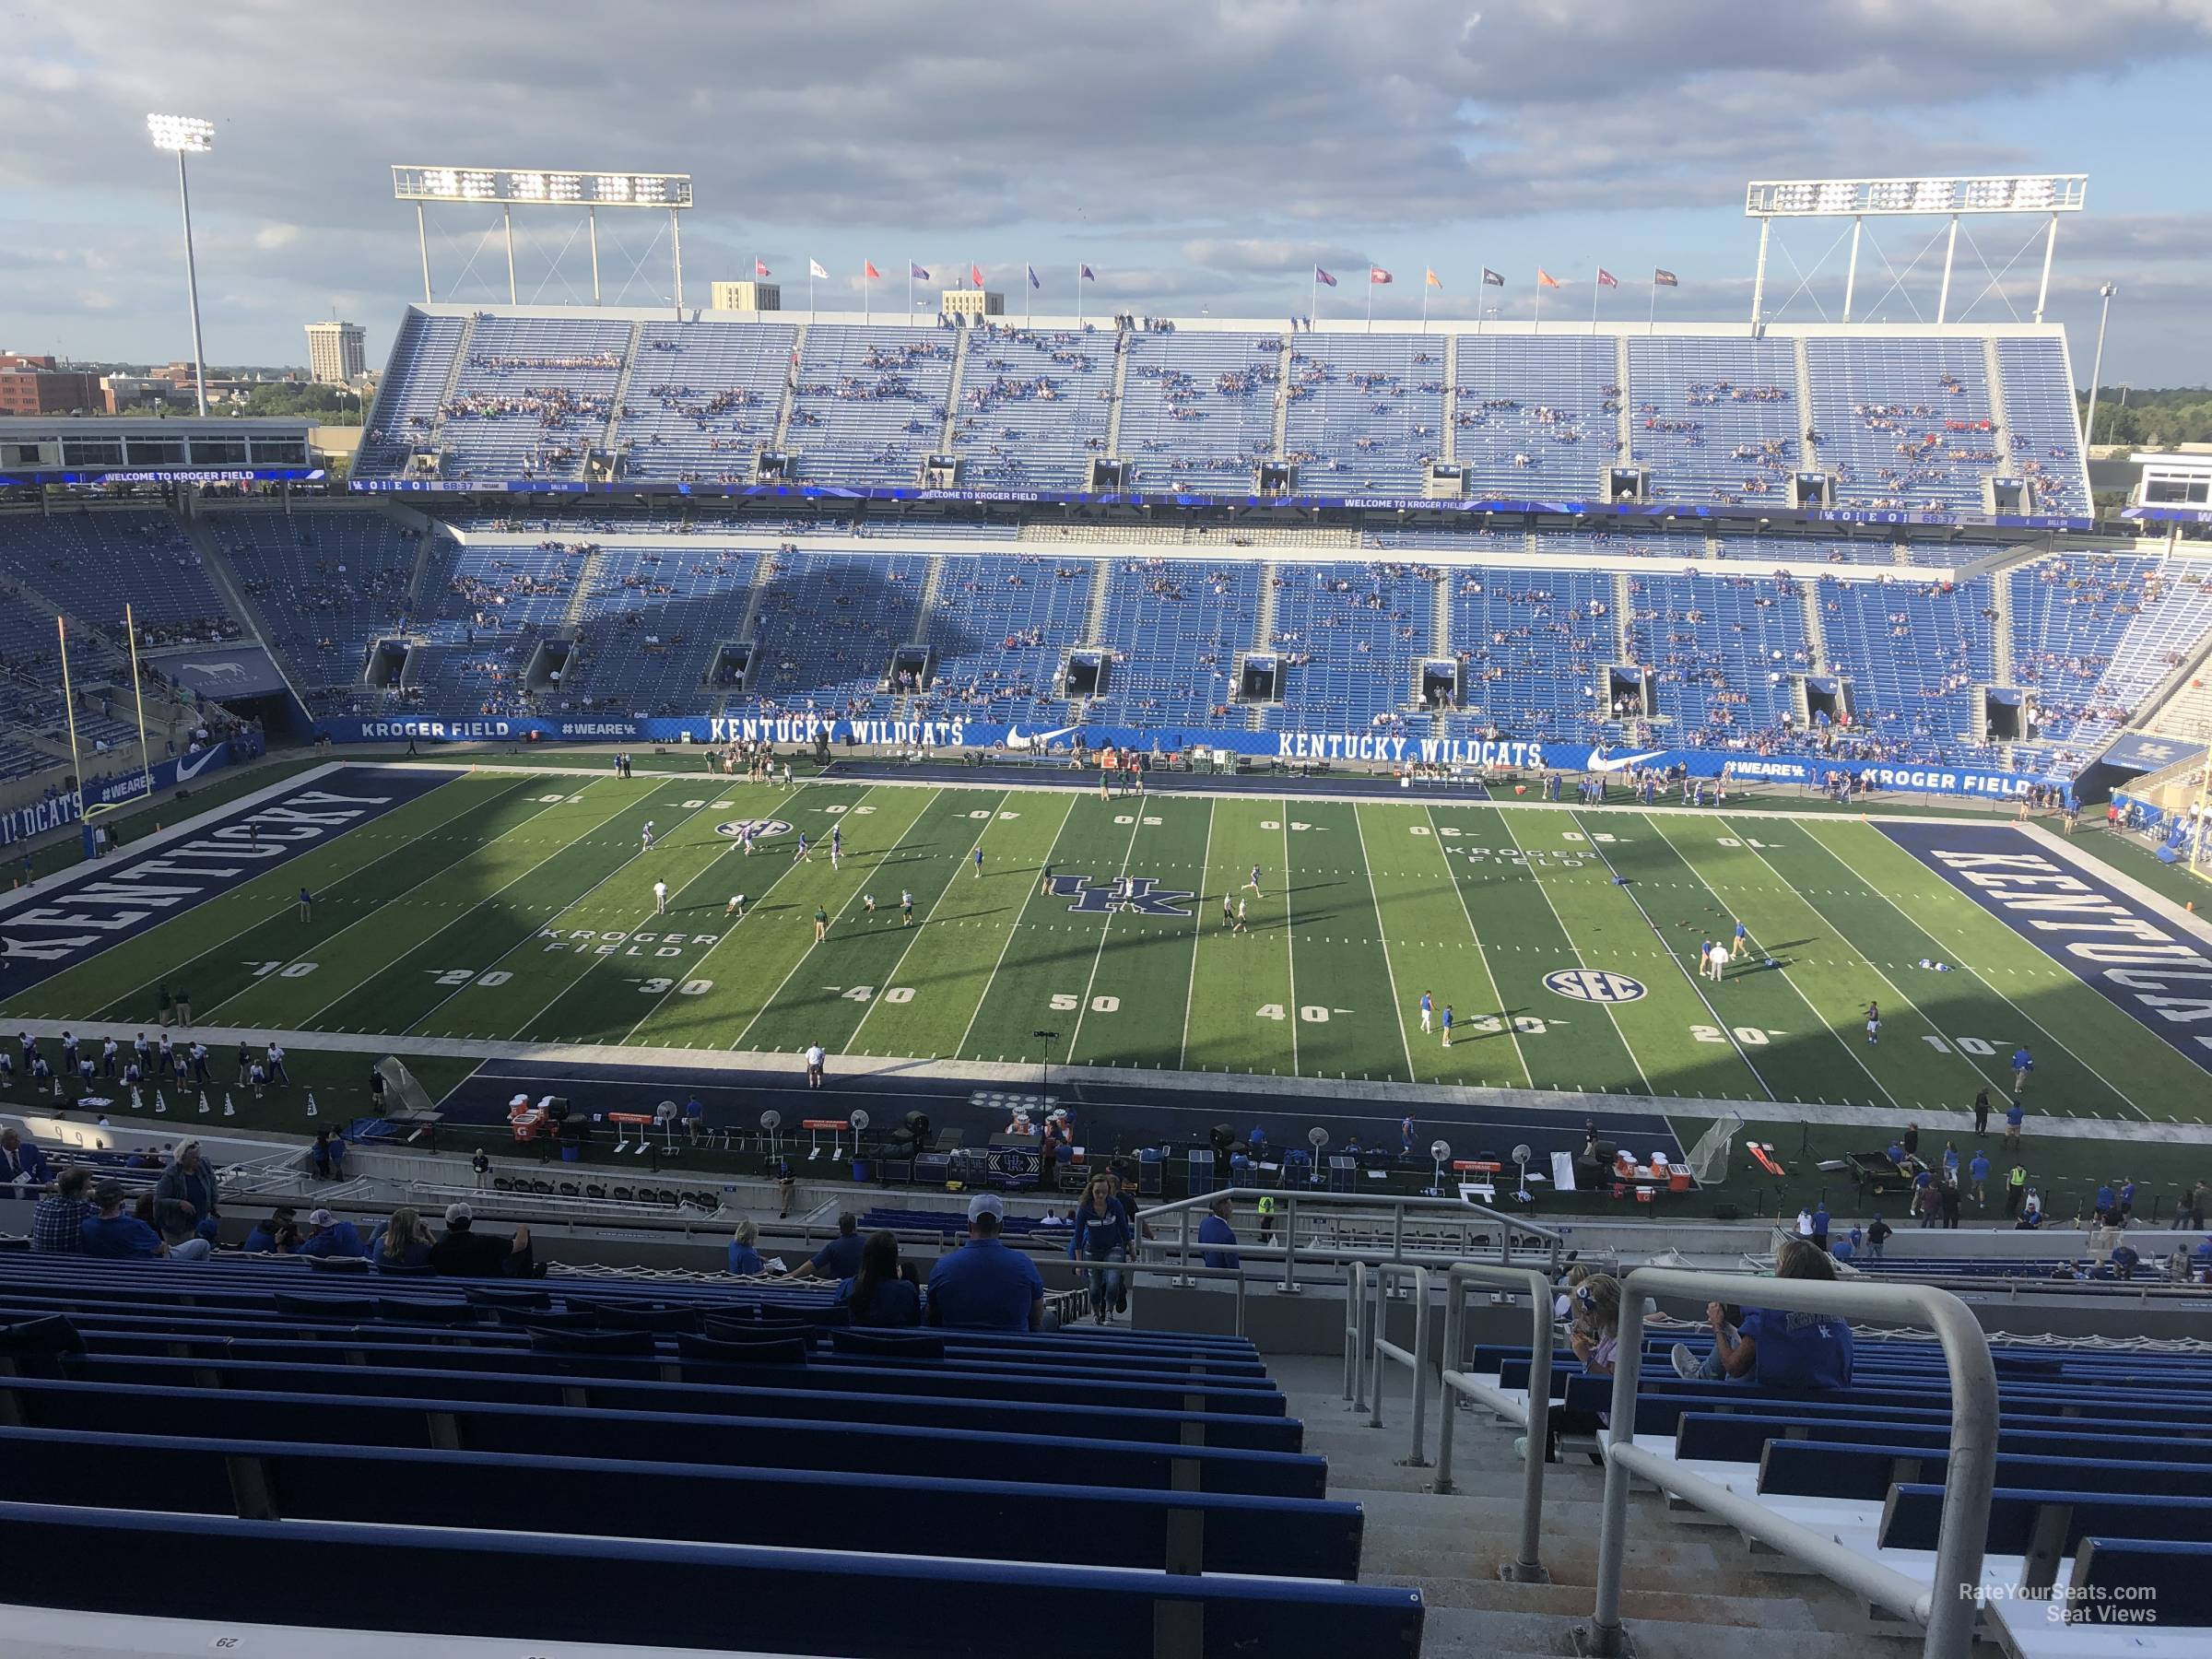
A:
{"x": 43, "y": 933}
{"x": 2156, "y": 971}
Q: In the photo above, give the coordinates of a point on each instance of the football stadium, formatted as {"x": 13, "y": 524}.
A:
{"x": 911, "y": 979}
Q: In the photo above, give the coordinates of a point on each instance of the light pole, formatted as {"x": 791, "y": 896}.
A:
{"x": 187, "y": 135}
{"x": 2088, "y": 429}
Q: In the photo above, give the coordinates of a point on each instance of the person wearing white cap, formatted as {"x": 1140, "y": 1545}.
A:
{"x": 465, "y": 1253}
{"x": 984, "y": 1286}
{"x": 325, "y": 1235}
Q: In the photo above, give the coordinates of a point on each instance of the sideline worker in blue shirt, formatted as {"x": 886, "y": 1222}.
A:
{"x": 984, "y": 1286}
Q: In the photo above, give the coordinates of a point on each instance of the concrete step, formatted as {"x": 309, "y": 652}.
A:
{"x": 1480, "y": 1633}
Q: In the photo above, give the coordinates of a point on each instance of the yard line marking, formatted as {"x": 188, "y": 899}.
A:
{"x": 1190, "y": 992}
{"x": 1627, "y": 1047}
{"x": 563, "y": 910}
{"x": 309, "y": 1023}
{"x": 1505, "y": 1018}
{"x": 1697, "y": 985}
{"x": 1984, "y": 978}
{"x": 279, "y": 909}
{"x": 1397, "y": 1014}
{"x": 1013, "y": 927}
{"x": 916, "y": 938}
{"x": 785, "y": 866}
{"x": 851, "y": 899}
{"x": 1729, "y": 910}
{"x": 1099, "y": 955}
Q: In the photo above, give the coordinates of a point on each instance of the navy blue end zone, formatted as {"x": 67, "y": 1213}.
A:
{"x": 56, "y": 925}
{"x": 2119, "y": 946}
{"x": 1111, "y": 1117}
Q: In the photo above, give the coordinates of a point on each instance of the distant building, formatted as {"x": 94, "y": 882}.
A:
{"x": 972, "y": 303}
{"x": 746, "y": 296}
{"x": 336, "y": 352}
{"x": 121, "y": 392}
{"x": 33, "y": 385}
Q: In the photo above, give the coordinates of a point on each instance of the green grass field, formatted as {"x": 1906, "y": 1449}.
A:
{"x": 517, "y": 905}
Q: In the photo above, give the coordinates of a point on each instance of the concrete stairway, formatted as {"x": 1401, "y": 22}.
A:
{"x": 1692, "y": 1590}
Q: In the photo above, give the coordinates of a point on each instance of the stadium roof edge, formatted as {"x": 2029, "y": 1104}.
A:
{"x": 1562, "y": 328}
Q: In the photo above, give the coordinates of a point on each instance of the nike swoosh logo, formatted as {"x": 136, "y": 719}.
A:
{"x": 191, "y": 766}
{"x": 1622, "y": 762}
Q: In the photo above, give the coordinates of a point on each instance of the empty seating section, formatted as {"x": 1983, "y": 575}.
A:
{"x": 1769, "y": 551}
{"x": 1198, "y": 409}
{"x": 870, "y": 403}
{"x": 828, "y": 625}
{"x": 1366, "y": 412}
{"x": 409, "y": 397}
{"x": 1914, "y": 651}
{"x": 2167, "y": 631}
{"x": 999, "y": 628}
{"x": 655, "y": 617}
{"x": 92, "y": 564}
{"x": 1530, "y": 644}
{"x": 1904, "y": 424}
{"x": 2068, "y": 616}
{"x": 862, "y": 1485}
{"x": 1537, "y": 418}
{"x": 1349, "y": 637}
{"x": 323, "y": 584}
{"x": 702, "y": 398}
{"x": 534, "y": 395}
{"x": 1715, "y": 419}
{"x": 2046, "y": 437}
{"x": 1178, "y": 628}
{"x": 1723, "y": 649}
{"x": 1035, "y": 406}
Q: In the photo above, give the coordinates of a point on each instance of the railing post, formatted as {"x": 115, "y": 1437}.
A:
{"x": 1290, "y": 1245}
{"x": 1605, "y": 1635}
{"x": 1456, "y": 1318}
{"x": 1527, "y": 1568}
{"x": 1420, "y": 1370}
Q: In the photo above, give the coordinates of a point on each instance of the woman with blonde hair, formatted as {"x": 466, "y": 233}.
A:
{"x": 1594, "y": 1334}
{"x": 404, "y": 1242}
{"x": 744, "y": 1259}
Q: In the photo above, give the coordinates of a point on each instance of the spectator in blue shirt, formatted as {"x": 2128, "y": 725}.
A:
{"x": 2106, "y": 1210}
{"x": 1977, "y": 1173}
{"x": 744, "y": 1259}
{"x": 325, "y": 1235}
{"x": 838, "y": 1259}
{"x": 1780, "y": 1350}
{"x": 1844, "y": 1248}
{"x": 984, "y": 1286}
{"x": 2015, "y": 1114}
{"x": 2022, "y": 1064}
{"x": 1102, "y": 1236}
{"x": 22, "y": 1165}
{"x": 1820, "y": 1225}
{"x": 277, "y": 1235}
{"x": 877, "y": 1294}
{"x": 1215, "y": 1232}
{"x": 58, "y": 1223}
{"x": 695, "y": 1118}
{"x": 113, "y": 1233}
{"x": 402, "y": 1244}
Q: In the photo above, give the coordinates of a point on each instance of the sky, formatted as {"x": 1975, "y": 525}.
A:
{"x": 1201, "y": 156}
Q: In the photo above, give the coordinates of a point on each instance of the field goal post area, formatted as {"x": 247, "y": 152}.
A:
{"x": 1708, "y": 1159}
{"x": 401, "y": 1088}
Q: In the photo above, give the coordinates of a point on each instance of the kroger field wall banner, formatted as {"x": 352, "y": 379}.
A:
{"x": 1365, "y": 746}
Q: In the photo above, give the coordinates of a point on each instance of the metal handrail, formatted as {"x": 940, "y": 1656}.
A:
{"x": 1950, "y": 1606}
{"x": 1414, "y": 1359}
{"x": 1396, "y": 1205}
{"x": 1356, "y": 1356}
{"x": 1527, "y": 1568}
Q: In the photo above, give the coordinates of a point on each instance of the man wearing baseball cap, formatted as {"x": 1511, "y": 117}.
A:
{"x": 325, "y": 1235}
{"x": 984, "y": 1286}
{"x": 467, "y": 1253}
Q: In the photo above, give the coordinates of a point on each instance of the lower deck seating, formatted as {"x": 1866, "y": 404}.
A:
{"x": 603, "y": 1459}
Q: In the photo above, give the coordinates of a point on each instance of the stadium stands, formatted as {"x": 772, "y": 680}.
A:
{"x": 870, "y": 402}
{"x": 1351, "y": 635}
{"x": 92, "y": 564}
{"x": 828, "y": 625}
{"x": 532, "y": 396}
{"x": 1035, "y": 405}
{"x": 1366, "y": 412}
{"x": 1912, "y": 650}
{"x": 1715, "y": 420}
{"x": 1177, "y": 630}
{"x": 1529, "y": 644}
{"x": 702, "y": 398}
{"x": 302, "y": 1420}
{"x": 653, "y": 621}
{"x": 1724, "y": 649}
{"x": 1536, "y": 417}
{"x": 1198, "y": 409}
{"x": 998, "y": 627}
{"x": 1904, "y": 423}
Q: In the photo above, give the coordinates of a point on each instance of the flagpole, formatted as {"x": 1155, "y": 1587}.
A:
{"x": 865, "y": 315}
{"x": 1312, "y": 298}
{"x": 1078, "y": 296}
{"x": 1651, "y": 323}
{"x": 910, "y": 290}
{"x": 1540, "y": 328}
{"x": 1424, "y": 300}
{"x": 1028, "y": 292}
{"x": 1370, "y": 300}
{"x": 1594, "y": 286}
{"x": 809, "y": 288}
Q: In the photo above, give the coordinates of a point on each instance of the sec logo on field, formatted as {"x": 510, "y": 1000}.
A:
{"x": 1591, "y": 985}
{"x": 760, "y": 828}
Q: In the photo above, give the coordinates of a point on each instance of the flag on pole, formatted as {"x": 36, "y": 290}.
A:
{"x": 1433, "y": 281}
{"x": 1377, "y": 275}
{"x": 1090, "y": 275}
{"x": 1666, "y": 278}
{"x": 1323, "y": 277}
{"x": 1544, "y": 278}
{"x": 868, "y": 269}
{"x": 1491, "y": 278}
{"x": 759, "y": 266}
{"x": 814, "y": 268}
{"x": 915, "y": 272}
{"x": 975, "y": 275}
{"x": 1033, "y": 281}
{"x": 1606, "y": 278}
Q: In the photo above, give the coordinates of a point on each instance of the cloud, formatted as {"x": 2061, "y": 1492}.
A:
{"x": 271, "y": 237}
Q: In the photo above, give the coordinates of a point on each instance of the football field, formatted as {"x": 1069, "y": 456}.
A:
{"x": 496, "y": 905}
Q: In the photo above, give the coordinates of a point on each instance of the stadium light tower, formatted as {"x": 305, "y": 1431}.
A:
{"x": 1858, "y": 200}
{"x": 2089, "y": 430}
{"x": 508, "y": 188}
{"x": 187, "y": 135}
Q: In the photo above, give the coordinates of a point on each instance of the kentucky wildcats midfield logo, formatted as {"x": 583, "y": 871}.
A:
{"x": 1141, "y": 894}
